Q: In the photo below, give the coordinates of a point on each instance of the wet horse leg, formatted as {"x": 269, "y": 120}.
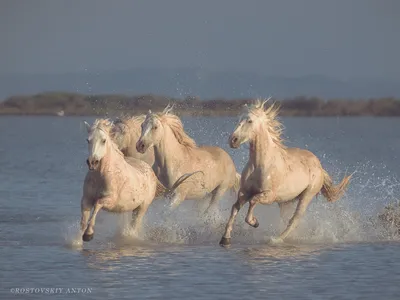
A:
{"x": 302, "y": 205}
{"x": 215, "y": 196}
{"x": 263, "y": 198}
{"x": 88, "y": 235}
{"x": 134, "y": 216}
{"x": 250, "y": 219}
{"x": 285, "y": 208}
{"x": 85, "y": 213}
{"x": 137, "y": 222}
{"x": 226, "y": 238}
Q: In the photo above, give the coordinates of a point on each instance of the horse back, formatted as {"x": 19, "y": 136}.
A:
{"x": 298, "y": 156}
{"x": 224, "y": 165}
{"x": 140, "y": 167}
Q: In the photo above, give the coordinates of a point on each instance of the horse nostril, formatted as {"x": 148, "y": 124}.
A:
{"x": 87, "y": 161}
{"x": 234, "y": 139}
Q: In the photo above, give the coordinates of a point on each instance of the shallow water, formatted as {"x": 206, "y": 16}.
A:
{"x": 338, "y": 251}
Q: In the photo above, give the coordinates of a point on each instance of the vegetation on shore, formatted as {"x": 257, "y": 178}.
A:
{"x": 113, "y": 105}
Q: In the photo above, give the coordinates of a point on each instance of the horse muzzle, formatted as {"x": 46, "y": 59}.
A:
{"x": 234, "y": 142}
{"x": 92, "y": 163}
{"x": 141, "y": 147}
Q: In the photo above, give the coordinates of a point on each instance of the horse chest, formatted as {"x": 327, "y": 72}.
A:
{"x": 166, "y": 176}
{"x": 257, "y": 181}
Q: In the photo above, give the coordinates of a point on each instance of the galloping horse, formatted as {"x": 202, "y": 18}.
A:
{"x": 275, "y": 173}
{"x": 125, "y": 132}
{"x": 115, "y": 183}
{"x": 176, "y": 153}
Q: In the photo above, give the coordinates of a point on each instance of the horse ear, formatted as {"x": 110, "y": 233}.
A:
{"x": 87, "y": 126}
{"x": 149, "y": 112}
{"x": 168, "y": 109}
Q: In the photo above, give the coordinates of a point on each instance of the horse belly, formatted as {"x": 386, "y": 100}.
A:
{"x": 292, "y": 187}
{"x": 127, "y": 203}
{"x": 196, "y": 193}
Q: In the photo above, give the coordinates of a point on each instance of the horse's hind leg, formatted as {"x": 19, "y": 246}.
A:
{"x": 138, "y": 219}
{"x": 302, "y": 205}
{"x": 286, "y": 209}
{"x": 135, "y": 213}
{"x": 215, "y": 196}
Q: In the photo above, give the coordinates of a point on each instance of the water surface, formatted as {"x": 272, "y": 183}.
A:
{"x": 337, "y": 251}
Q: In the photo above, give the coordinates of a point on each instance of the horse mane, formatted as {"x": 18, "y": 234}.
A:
{"x": 270, "y": 115}
{"x": 175, "y": 123}
{"x": 133, "y": 120}
{"x": 132, "y": 123}
{"x": 105, "y": 125}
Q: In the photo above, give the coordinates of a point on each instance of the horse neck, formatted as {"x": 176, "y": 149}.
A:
{"x": 109, "y": 159}
{"x": 263, "y": 150}
{"x": 168, "y": 150}
{"x": 133, "y": 133}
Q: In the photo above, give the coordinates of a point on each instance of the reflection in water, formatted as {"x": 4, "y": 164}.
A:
{"x": 271, "y": 253}
{"x": 111, "y": 258}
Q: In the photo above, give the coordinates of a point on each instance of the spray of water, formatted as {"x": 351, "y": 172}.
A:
{"x": 354, "y": 218}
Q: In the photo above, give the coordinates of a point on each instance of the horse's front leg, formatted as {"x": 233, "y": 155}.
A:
{"x": 226, "y": 238}
{"x": 88, "y": 235}
{"x": 86, "y": 208}
{"x": 263, "y": 198}
{"x": 250, "y": 219}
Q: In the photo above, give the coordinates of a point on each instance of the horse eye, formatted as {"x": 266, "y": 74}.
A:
{"x": 103, "y": 141}
{"x": 250, "y": 121}
{"x": 155, "y": 127}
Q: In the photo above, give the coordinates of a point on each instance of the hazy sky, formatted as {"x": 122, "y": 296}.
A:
{"x": 340, "y": 38}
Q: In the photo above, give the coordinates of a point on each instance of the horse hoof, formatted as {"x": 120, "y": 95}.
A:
{"x": 225, "y": 241}
{"x": 87, "y": 237}
{"x": 256, "y": 224}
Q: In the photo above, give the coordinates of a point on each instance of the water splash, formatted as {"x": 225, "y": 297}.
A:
{"x": 72, "y": 237}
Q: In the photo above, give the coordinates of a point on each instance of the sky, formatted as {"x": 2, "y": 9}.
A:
{"x": 341, "y": 39}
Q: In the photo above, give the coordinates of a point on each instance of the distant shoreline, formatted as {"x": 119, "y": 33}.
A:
{"x": 70, "y": 104}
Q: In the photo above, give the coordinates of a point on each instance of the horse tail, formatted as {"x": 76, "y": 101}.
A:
{"x": 334, "y": 192}
{"x": 236, "y": 185}
{"x": 182, "y": 179}
{"x": 160, "y": 189}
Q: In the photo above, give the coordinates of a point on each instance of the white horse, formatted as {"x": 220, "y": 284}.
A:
{"x": 114, "y": 183}
{"x": 176, "y": 153}
{"x": 275, "y": 173}
{"x": 125, "y": 132}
